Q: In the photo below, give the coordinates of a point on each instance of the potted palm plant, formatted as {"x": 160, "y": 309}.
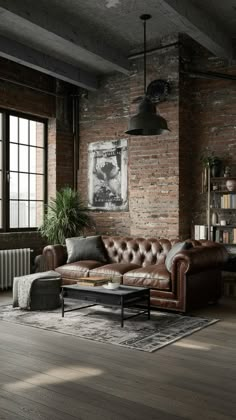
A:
{"x": 65, "y": 216}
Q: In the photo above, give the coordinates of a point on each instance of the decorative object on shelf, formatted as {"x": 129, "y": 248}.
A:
{"x": 214, "y": 163}
{"x": 147, "y": 122}
{"x": 223, "y": 223}
{"x": 227, "y": 172}
{"x": 231, "y": 184}
{"x": 216, "y": 167}
{"x": 214, "y": 218}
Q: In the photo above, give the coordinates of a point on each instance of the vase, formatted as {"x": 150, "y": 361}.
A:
{"x": 216, "y": 169}
{"x": 214, "y": 218}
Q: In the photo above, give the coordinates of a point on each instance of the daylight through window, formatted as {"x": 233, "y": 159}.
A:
{"x": 22, "y": 171}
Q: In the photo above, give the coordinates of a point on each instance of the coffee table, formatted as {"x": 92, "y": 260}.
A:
{"x": 123, "y": 297}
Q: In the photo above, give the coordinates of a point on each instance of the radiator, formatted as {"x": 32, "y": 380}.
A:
{"x": 13, "y": 263}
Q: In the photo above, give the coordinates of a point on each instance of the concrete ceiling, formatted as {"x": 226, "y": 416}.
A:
{"x": 77, "y": 40}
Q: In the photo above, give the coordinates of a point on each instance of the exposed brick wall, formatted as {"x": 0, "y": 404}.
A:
{"x": 60, "y": 135}
{"x": 210, "y": 115}
{"x": 164, "y": 172}
{"x": 153, "y": 166}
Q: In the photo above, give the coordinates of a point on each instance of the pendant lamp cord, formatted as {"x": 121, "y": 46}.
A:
{"x": 144, "y": 56}
{"x": 144, "y": 18}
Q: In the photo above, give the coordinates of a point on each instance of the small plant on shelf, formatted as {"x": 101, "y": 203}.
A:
{"x": 210, "y": 161}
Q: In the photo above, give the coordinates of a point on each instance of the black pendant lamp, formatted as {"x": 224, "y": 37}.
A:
{"x": 147, "y": 122}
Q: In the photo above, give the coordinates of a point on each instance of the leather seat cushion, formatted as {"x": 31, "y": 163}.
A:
{"x": 153, "y": 276}
{"x": 77, "y": 269}
{"x": 113, "y": 270}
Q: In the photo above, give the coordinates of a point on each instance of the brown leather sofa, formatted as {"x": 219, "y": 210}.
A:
{"x": 194, "y": 279}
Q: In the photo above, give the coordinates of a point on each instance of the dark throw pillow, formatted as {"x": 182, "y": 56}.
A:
{"x": 90, "y": 248}
{"x": 180, "y": 246}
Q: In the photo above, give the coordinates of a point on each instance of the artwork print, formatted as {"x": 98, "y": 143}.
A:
{"x": 107, "y": 175}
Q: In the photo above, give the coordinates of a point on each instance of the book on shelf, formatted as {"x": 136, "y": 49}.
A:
{"x": 217, "y": 236}
{"x": 233, "y": 201}
{"x": 225, "y": 236}
{"x": 200, "y": 232}
{"x": 234, "y": 235}
{"x": 228, "y": 201}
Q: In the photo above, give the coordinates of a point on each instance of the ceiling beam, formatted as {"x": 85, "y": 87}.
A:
{"x": 89, "y": 47}
{"x": 197, "y": 24}
{"x": 38, "y": 61}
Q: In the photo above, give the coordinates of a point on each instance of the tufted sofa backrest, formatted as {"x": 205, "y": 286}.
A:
{"x": 139, "y": 251}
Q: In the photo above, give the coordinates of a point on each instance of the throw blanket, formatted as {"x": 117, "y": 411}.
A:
{"x": 22, "y": 287}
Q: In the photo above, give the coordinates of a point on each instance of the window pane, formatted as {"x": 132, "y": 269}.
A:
{"x": 40, "y": 134}
{"x": 23, "y": 214}
{"x": 36, "y": 213}
{"x": 23, "y": 187}
{"x": 13, "y": 185}
{"x": 39, "y": 187}
{"x": 24, "y": 161}
{"x": 13, "y": 157}
{"x": 0, "y": 154}
{"x": 32, "y": 187}
{"x": 24, "y": 130}
{"x": 32, "y": 213}
{"x": 33, "y": 133}
{"x": 40, "y": 161}
{"x": 33, "y": 159}
{"x": 13, "y": 214}
{"x": 14, "y": 129}
{"x": 36, "y": 187}
{"x": 1, "y": 128}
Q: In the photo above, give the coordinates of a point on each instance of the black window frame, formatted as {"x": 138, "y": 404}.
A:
{"x": 6, "y": 166}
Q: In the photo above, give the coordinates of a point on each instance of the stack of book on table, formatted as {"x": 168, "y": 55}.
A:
{"x": 92, "y": 281}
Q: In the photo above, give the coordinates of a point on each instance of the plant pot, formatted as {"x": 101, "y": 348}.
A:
{"x": 216, "y": 169}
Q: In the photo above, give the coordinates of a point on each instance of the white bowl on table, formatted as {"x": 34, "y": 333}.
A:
{"x": 112, "y": 286}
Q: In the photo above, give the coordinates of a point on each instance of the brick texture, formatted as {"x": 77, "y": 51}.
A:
{"x": 208, "y": 120}
{"x": 164, "y": 172}
{"x": 153, "y": 165}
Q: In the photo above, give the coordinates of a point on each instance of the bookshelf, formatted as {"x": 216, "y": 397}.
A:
{"x": 222, "y": 207}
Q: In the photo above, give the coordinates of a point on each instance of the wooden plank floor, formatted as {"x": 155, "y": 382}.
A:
{"x": 46, "y": 375}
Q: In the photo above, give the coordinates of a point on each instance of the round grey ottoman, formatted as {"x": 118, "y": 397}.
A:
{"x": 45, "y": 294}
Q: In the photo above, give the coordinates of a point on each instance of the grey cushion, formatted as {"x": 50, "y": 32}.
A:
{"x": 180, "y": 246}
{"x": 90, "y": 248}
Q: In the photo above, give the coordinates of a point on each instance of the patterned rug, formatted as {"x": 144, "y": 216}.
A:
{"x": 103, "y": 324}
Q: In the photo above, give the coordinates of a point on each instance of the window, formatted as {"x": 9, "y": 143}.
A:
{"x": 22, "y": 171}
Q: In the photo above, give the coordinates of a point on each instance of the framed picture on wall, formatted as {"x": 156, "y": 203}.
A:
{"x": 107, "y": 175}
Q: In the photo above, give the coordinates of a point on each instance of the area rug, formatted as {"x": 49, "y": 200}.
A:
{"x": 102, "y": 324}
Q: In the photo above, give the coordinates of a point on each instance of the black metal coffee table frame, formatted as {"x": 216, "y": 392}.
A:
{"x": 123, "y": 297}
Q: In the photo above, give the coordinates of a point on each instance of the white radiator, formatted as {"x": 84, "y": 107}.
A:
{"x": 13, "y": 263}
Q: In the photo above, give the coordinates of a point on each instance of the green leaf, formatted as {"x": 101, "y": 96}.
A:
{"x": 65, "y": 216}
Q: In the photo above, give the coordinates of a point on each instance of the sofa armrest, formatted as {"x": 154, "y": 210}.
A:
{"x": 55, "y": 255}
{"x": 200, "y": 258}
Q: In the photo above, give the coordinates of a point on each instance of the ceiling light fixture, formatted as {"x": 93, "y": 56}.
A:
{"x": 147, "y": 122}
